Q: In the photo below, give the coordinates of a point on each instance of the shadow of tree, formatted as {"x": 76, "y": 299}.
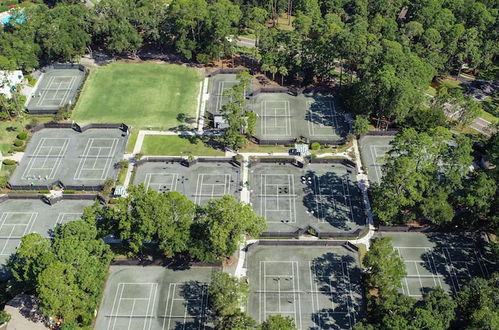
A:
{"x": 323, "y": 113}
{"x": 458, "y": 258}
{"x": 198, "y": 308}
{"x": 334, "y": 199}
{"x": 338, "y": 279}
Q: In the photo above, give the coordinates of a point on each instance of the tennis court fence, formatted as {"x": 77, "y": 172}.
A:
{"x": 164, "y": 262}
{"x": 407, "y": 229}
{"x": 53, "y": 201}
{"x": 270, "y": 90}
{"x": 380, "y": 133}
{"x": 75, "y": 126}
{"x": 224, "y": 71}
{"x": 345, "y": 244}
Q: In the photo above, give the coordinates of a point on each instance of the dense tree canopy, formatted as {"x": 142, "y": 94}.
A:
{"x": 422, "y": 170}
{"x": 66, "y": 273}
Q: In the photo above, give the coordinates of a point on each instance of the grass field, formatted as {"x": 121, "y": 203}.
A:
{"x": 143, "y": 95}
{"x": 167, "y": 145}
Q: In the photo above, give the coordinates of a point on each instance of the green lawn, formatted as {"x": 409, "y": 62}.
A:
{"x": 488, "y": 117}
{"x": 132, "y": 139}
{"x": 142, "y": 95}
{"x": 10, "y": 129}
{"x": 168, "y": 145}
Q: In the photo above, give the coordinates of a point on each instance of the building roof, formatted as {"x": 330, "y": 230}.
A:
{"x": 9, "y": 79}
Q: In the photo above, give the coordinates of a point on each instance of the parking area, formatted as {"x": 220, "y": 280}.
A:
{"x": 283, "y": 117}
{"x": 324, "y": 197}
{"x": 318, "y": 287}
{"x": 80, "y": 160}
{"x": 155, "y": 298}
{"x": 19, "y": 217}
{"x": 440, "y": 260}
{"x": 55, "y": 89}
{"x": 373, "y": 151}
{"x": 200, "y": 182}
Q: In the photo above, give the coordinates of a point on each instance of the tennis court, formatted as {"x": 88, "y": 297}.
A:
{"x": 55, "y": 89}
{"x": 318, "y": 287}
{"x": 323, "y": 196}
{"x": 373, "y": 150}
{"x": 76, "y": 159}
{"x": 200, "y": 182}
{"x": 19, "y": 217}
{"x": 439, "y": 260}
{"x": 218, "y": 85}
{"x": 154, "y": 297}
{"x": 284, "y": 117}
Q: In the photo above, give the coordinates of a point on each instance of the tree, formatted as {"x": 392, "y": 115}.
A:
{"x": 477, "y": 303}
{"x": 278, "y": 322}
{"x": 436, "y": 310}
{"x": 422, "y": 169}
{"x": 32, "y": 256}
{"x": 174, "y": 231}
{"x": 385, "y": 269}
{"x": 66, "y": 273}
{"x": 73, "y": 26}
{"x": 237, "y": 321}
{"x": 477, "y": 196}
{"x": 361, "y": 124}
{"x": 220, "y": 228}
{"x": 228, "y": 293}
{"x": 146, "y": 215}
{"x": 115, "y": 26}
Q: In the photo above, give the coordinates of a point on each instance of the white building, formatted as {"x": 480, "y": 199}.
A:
{"x": 9, "y": 79}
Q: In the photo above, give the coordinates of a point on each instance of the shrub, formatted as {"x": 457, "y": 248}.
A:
{"x": 18, "y": 143}
{"x": 9, "y": 162}
{"x": 18, "y": 149}
{"x": 22, "y": 136}
{"x": 69, "y": 192}
{"x": 45, "y": 191}
{"x": 3, "y": 181}
{"x": 4, "y": 115}
{"x": 315, "y": 146}
{"x": 4, "y": 317}
{"x": 30, "y": 79}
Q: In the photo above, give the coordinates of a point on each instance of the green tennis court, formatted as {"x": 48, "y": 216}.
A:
{"x": 155, "y": 298}
{"x": 284, "y": 117}
{"x": 19, "y": 217}
{"x": 218, "y": 85}
{"x": 55, "y": 89}
{"x": 443, "y": 260}
{"x": 200, "y": 182}
{"x": 318, "y": 287}
{"x": 83, "y": 160}
{"x": 374, "y": 150}
{"x": 323, "y": 196}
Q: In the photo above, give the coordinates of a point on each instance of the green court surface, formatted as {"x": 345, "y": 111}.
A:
{"x": 142, "y": 95}
{"x": 323, "y": 196}
{"x": 218, "y": 85}
{"x": 172, "y": 145}
{"x": 199, "y": 182}
{"x": 440, "y": 260}
{"x": 373, "y": 151}
{"x": 284, "y": 117}
{"x": 19, "y": 217}
{"x": 55, "y": 89}
{"x": 79, "y": 160}
{"x": 318, "y": 287}
{"x": 155, "y": 298}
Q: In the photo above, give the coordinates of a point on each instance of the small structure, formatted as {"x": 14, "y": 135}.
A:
{"x": 302, "y": 149}
{"x": 119, "y": 191}
{"x": 219, "y": 122}
{"x": 9, "y": 80}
